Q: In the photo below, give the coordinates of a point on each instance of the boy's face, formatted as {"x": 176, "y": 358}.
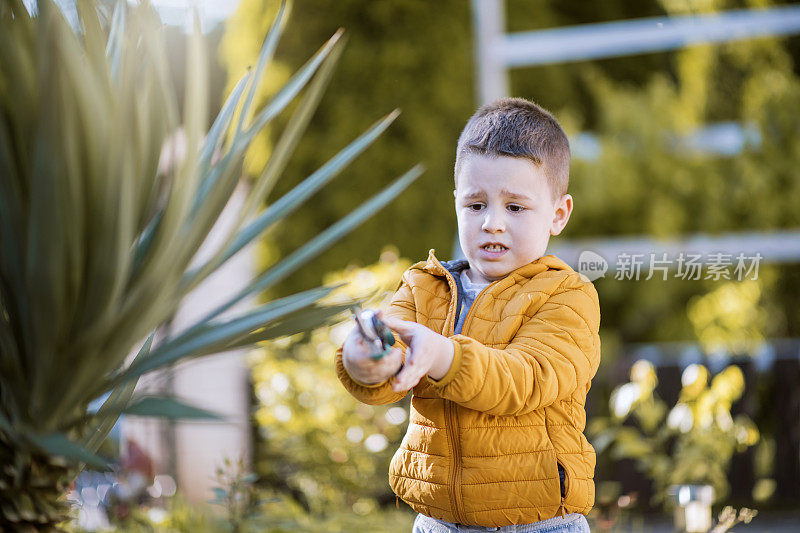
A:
{"x": 506, "y": 214}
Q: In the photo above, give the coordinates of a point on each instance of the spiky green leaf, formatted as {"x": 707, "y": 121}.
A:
{"x": 59, "y": 445}
{"x": 170, "y": 408}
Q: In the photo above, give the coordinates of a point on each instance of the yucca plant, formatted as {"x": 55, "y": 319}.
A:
{"x": 97, "y": 247}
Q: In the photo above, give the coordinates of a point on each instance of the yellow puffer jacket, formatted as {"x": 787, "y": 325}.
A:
{"x": 483, "y": 443}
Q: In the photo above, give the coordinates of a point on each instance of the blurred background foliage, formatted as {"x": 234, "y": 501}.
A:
{"x": 642, "y": 175}
{"x": 730, "y": 317}
{"x": 317, "y": 444}
{"x": 691, "y": 442}
{"x": 323, "y": 454}
{"x": 646, "y": 178}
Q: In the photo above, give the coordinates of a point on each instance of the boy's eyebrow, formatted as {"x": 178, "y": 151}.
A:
{"x": 517, "y": 196}
{"x": 505, "y": 192}
{"x": 474, "y": 196}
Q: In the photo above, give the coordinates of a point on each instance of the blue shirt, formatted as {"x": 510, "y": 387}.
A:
{"x": 471, "y": 291}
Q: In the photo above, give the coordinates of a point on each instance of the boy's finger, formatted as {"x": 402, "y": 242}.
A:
{"x": 410, "y": 381}
{"x": 403, "y": 384}
{"x": 403, "y": 327}
{"x": 411, "y": 355}
{"x": 407, "y": 378}
{"x": 397, "y": 385}
{"x": 394, "y": 353}
{"x": 394, "y": 359}
{"x": 401, "y": 379}
{"x": 406, "y": 371}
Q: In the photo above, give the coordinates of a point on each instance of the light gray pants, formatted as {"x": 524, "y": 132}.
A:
{"x": 572, "y": 523}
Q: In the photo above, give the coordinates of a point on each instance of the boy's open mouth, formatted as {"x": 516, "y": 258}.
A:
{"x": 494, "y": 247}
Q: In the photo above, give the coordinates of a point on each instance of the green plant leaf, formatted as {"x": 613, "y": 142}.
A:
{"x": 219, "y": 334}
{"x": 264, "y": 57}
{"x": 250, "y": 478}
{"x": 59, "y": 445}
{"x": 93, "y": 33}
{"x": 116, "y": 39}
{"x": 221, "y": 124}
{"x": 292, "y": 133}
{"x": 5, "y": 425}
{"x": 291, "y": 200}
{"x": 170, "y": 408}
{"x": 143, "y": 242}
{"x": 297, "y": 322}
{"x": 602, "y": 440}
{"x": 322, "y": 241}
{"x": 115, "y": 404}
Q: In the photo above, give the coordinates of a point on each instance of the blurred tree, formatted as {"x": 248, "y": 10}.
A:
{"x": 648, "y": 179}
{"x": 416, "y": 56}
{"x": 655, "y": 181}
{"x": 562, "y": 88}
{"x": 729, "y": 317}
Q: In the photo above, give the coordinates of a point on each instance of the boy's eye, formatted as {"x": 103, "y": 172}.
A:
{"x": 475, "y": 207}
{"x": 515, "y": 208}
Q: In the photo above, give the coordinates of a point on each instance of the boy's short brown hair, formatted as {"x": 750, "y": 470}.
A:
{"x": 517, "y": 127}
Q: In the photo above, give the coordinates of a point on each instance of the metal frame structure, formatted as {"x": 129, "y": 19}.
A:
{"x": 497, "y": 51}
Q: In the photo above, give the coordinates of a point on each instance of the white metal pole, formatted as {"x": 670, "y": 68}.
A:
{"x": 489, "y": 27}
{"x": 628, "y": 37}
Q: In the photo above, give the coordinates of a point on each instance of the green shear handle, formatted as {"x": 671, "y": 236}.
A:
{"x": 374, "y": 331}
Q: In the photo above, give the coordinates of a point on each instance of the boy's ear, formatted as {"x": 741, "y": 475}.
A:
{"x": 561, "y": 214}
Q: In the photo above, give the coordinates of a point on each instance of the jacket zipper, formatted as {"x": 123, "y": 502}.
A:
{"x": 563, "y": 507}
{"x": 450, "y": 407}
{"x": 450, "y": 418}
{"x": 455, "y": 478}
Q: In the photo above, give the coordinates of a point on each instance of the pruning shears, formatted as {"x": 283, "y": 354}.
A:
{"x": 374, "y": 332}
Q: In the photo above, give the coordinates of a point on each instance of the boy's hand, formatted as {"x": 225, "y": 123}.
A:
{"x": 427, "y": 353}
{"x": 357, "y": 360}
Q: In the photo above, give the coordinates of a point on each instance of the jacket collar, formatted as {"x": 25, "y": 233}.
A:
{"x": 454, "y": 267}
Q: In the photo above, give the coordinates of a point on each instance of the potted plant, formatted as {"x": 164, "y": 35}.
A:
{"x": 97, "y": 247}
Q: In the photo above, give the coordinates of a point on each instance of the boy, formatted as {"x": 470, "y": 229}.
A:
{"x": 499, "y": 349}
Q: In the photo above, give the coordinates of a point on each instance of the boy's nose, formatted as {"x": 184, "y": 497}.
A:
{"x": 493, "y": 223}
